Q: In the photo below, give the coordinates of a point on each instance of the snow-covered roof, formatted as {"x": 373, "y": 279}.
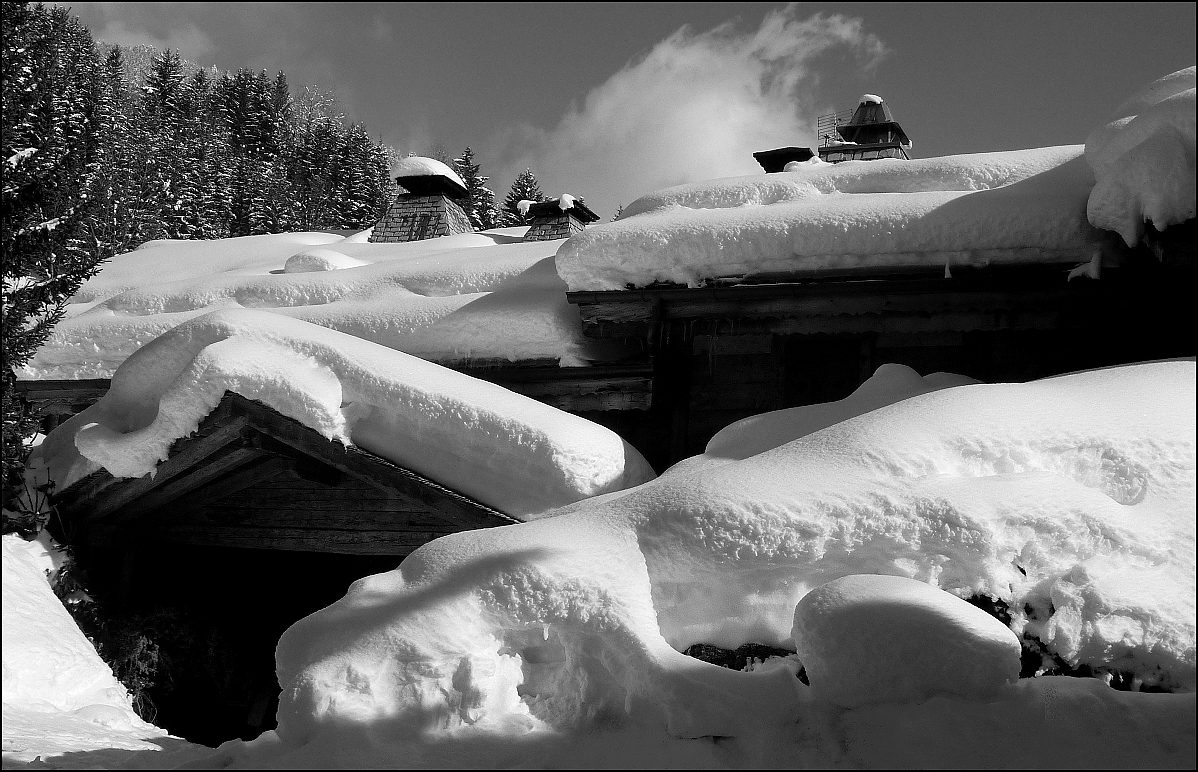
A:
{"x": 508, "y": 451}
{"x": 1143, "y": 160}
{"x": 1006, "y": 207}
{"x": 563, "y": 204}
{"x": 871, "y": 98}
{"x": 464, "y": 298}
{"x": 419, "y": 166}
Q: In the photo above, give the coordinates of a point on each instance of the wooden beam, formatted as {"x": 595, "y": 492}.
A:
{"x": 297, "y": 514}
{"x": 343, "y": 542}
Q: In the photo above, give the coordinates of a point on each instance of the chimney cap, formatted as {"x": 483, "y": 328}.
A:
{"x": 776, "y": 160}
{"x": 573, "y": 207}
{"x": 418, "y": 170}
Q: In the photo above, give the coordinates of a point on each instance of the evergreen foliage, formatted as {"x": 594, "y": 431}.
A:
{"x": 480, "y": 207}
{"x": 105, "y": 148}
{"x": 525, "y": 188}
{"x": 52, "y": 120}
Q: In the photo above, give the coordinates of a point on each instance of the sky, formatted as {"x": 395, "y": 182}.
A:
{"x": 611, "y": 101}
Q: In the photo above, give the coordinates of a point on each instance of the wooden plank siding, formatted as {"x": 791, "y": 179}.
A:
{"x": 250, "y": 477}
{"x": 728, "y": 351}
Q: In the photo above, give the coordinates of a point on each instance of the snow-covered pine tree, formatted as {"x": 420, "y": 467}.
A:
{"x": 480, "y": 206}
{"x": 619, "y": 211}
{"x": 525, "y": 188}
{"x": 316, "y": 141}
{"x": 50, "y": 120}
{"x": 363, "y": 176}
{"x": 119, "y": 215}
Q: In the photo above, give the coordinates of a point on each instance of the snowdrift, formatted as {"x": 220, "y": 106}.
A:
{"x": 1143, "y": 160}
{"x": 475, "y": 296}
{"x": 58, "y": 694}
{"x": 986, "y": 208}
{"x": 501, "y": 448}
{"x": 1071, "y": 500}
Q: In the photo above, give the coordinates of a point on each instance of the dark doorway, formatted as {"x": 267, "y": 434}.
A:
{"x": 212, "y": 617}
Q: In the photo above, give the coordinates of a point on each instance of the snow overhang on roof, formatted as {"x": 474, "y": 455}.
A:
{"x": 427, "y": 176}
{"x": 553, "y": 208}
{"x": 776, "y": 160}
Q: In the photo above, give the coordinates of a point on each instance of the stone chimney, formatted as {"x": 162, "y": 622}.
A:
{"x": 427, "y": 203}
{"x": 560, "y": 218}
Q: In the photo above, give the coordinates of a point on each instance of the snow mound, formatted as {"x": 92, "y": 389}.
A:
{"x": 798, "y": 166}
{"x": 1069, "y": 499}
{"x": 320, "y": 260}
{"x": 1143, "y": 160}
{"x": 48, "y": 664}
{"x": 889, "y": 384}
{"x": 866, "y": 639}
{"x": 1008, "y": 207}
{"x": 397, "y": 295}
{"x": 503, "y": 449}
{"x": 419, "y": 166}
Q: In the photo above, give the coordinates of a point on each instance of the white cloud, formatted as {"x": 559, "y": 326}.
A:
{"x": 143, "y": 24}
{"x": 695, "y": 107}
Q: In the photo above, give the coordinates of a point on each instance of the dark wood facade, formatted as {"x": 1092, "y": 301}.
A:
{"x": 734, "y": 349}
{"x": 253, "y": 478}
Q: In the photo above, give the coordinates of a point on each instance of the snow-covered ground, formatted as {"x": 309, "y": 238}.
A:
{"x": 59, "y": 696}
{"x": 1072, "y": 500}
{"x": 474, "y": 296}
{"x": 557, "y": 641}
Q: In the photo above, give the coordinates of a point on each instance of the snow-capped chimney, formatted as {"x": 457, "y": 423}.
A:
{"x": 776, "y": 160}
{"x": 427, "y": 203}
{"x": 559, "y": 218}
{"x": 868, "y": 133}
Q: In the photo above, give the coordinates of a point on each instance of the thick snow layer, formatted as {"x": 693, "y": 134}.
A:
{"x": 54, "y": 682}
{"x": 1008, "y": 207}
{"x": 319, "y": 259}
{"x": 476, "y": 296}
{"x": 757, "y": 434}
{"x": 1071, "y": 499}
{"x": 48, "y": 663}
{"x": 1143, "y": 160}
{"x": 419, "y": 166}
{"x": 868, "y": 639}
{"x": 798, "y": 166}
{"x": 501, "y": 448}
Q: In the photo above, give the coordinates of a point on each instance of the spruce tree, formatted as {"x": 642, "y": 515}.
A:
{"x": 525, "y": 188}
{"x": 51, "y": 95}
{"x": 480, "y": 206}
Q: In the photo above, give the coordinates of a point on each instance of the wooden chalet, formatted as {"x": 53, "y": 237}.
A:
{"x": 251, "y": 477}
{"x": 745, "y": 345}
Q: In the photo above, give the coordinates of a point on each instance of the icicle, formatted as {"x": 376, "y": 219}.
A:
{"x": 545, "y": 630}
{"x": 948, "y": 274}
{"x": 1092, "y": 269}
